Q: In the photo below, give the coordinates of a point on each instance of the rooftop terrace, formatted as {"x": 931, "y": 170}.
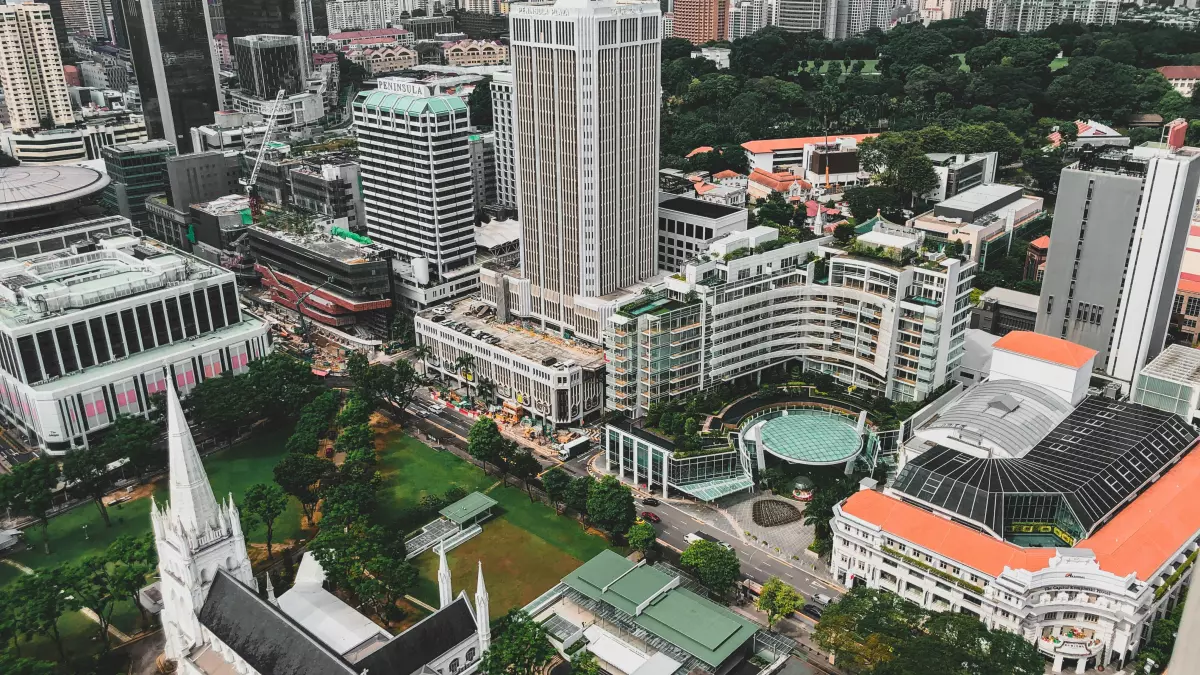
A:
{"x": 527, "y": 342}
{"x": 341, "y": 249}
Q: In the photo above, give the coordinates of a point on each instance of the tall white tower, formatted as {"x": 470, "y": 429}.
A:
{"x": 31, "y": 71}
{"x": 195, "y": 536}
{"x": 586, "y": 102}
{"x": 483, "y": 614}
{"x": 445, "y": 587}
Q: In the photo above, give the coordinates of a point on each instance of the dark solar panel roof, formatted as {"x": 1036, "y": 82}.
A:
{"x": 435, "y": 635}
{"x": 1102, "y": 453}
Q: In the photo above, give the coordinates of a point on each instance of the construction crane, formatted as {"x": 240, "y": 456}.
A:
{"x": 251, "y": 192}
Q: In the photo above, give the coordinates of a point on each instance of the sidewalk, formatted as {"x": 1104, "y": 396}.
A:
{"x": 800, "y": 630}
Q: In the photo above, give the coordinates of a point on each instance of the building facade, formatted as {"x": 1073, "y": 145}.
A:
{"x": 418, "y": 190}
{"x": 58, "y": 146}
{"x": 701, "y": 21}
{"x": 202, "y": 176}
{"x": 475, "y": 53}
{"x": 267, "y": 63}
{"x": 506, "y": 150}
{"x": 136, "y": 171}
{"x": 586, "y": 100}
{"x": 356, "y": 15}
{"x": 31, "y": 70}
{"x": 803, "y": 16}
{"x": 686, "y": 226}
{"x": 175, "y": 65}
{"x": 1027, "y": 16}
{"x": 1126, "y": 210}
{"x": 483, "y": 169}
{"x": 66, "y": 366}
{"x": 747, "y": 17}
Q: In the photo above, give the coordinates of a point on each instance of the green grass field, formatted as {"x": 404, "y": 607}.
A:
{"x": 525, "y": 548}
{"x": 1056, "y": 64}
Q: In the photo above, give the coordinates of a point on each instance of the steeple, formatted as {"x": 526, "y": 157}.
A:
{"x": 445, "y": 591}
{"x": 192, "y": 499}
{"x": 271, "y": 591}
{"x": 483, "y": 616}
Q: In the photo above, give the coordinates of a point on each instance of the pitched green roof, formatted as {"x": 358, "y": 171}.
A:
{"x": 405, "y": 104}
{"x": 694, "y": 624}
{"x": 468, "y": 507}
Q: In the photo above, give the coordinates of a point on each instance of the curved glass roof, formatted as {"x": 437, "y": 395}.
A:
{"x": 1009, "y": 416}
{"x": 810, "y": 437}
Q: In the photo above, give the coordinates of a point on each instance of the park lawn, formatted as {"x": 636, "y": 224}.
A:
{"x": 412, "y": 470}
{"x": 1061, "y": 62}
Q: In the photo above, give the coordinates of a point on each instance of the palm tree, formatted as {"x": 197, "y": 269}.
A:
{"x": 485, "y": 390}
{"x": 420, "y": 353}
{"x": 463, "y": 365}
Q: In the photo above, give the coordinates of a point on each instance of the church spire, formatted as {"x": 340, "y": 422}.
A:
{"x": 192, "y": 501}
{"x": 483, "y": 615}
{"x": 445, "y": 591}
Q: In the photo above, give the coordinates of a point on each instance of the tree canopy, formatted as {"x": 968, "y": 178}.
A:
{"x": 717, "y": 567}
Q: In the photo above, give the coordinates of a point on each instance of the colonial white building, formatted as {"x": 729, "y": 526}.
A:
{"x": 1039, "y": 509}
{"x": 215, "y": 623}
{"x": 95, "y": 319}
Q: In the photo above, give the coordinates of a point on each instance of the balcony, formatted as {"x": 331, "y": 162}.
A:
{"x": 1071, "y": 643}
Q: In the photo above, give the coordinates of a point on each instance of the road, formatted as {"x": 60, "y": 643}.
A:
{"x": 676, "y": 523}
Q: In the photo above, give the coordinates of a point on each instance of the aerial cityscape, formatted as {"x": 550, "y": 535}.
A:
{"x": 599, "y": 337}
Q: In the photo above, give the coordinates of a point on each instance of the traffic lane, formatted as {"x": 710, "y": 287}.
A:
{"x": 578, "y": 465}
{"x": 756, "y": 564}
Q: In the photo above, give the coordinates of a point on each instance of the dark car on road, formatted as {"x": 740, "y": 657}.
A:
{"x": 651, "y": 516}
{"x": 650, "y": 501}
{"x": 811, "y": 611}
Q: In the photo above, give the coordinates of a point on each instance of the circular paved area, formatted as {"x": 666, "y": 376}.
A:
{"x": 38, "y": 186}
{"x": 808, "y": 437}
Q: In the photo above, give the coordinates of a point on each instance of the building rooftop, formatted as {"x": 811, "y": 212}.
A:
{"x": 980, "y": 197}
{"x": 1042, "y": 242}
{"x": 340, "y": 248}
{"x": 1180, "y": 72}
{"x": 1046, "y": 348}
{"x": 1089, "y": 464}
{"x": 34, "y": 187}
{"x": 1011, "y": 298}
{"x": 698, "y": 207}
{"x": 223, "y": 206}
{"x": 529, "y": 343}
{"x": 383, "y": 101}
{"x": 136, "y": 148}
{"x": 776, "y": 144}
{"x": 1008, "y": 417}
{"x": 1177, "y": 363}
{"x": 655, "y": 601}
{"x": 374, "y": 32}
{"x": 468, "y": 508}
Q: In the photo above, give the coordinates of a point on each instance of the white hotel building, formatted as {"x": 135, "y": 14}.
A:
{"x": 94, "y": 319}
{"x": 1066, "y": 518}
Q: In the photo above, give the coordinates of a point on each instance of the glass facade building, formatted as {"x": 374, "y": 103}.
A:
{"x": 267, "y": 63}
{"x": 174, "y": 64}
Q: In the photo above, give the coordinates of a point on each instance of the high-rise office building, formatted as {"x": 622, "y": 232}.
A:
{"x": 136, "y": 171}
{"x": 418, "y": 189}
{"x": 701, "y": 21}
{"x": 174, "y": 63}
{"x": 31, "y": 72}
{"x": 350, "y": 15}
{"x": 260, "y": 17}
{"x": 586, "y": 118}
{"x": 802, "y": 16}
{"x": 267, "y": 63}
{"x": 1025, "y": 16}
{"x": 87, "y": 17}
{"x": 483, "y": 168}
{"x": 747, "y": 17}
{"x": 506, "y": 151}
{"x": 1120, "y": 227}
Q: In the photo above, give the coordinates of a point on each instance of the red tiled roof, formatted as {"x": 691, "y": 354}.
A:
{"x": 1180, "y": 72}
{"x": 1046, "y": 348}
{"x": 1042, "y": 242}
{"x": 775, "y": 144}
{"x": 1188, "y": 286}
{"x": 948, "y": 539}
{"x": 727, "y": 173}
{"x": 700, "y": 150}
{"x": 701, "y": 188}
{"x": 777, "y": 181}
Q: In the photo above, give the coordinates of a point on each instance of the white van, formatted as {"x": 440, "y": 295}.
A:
{"x": 822, "y": 599}
{"x": 693, "y": 537}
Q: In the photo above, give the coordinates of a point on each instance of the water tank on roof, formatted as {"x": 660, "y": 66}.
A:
{"x": 420, "y": 268}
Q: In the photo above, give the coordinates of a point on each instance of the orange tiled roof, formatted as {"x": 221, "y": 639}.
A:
{"x": 948, "y": 539}
{"x": 775, "y": 144}
{"x": 1042, "y": 242}
{"x": 777, "y": 181}
{"x": 1188, "y": 286}
{"x": 1156, "y": 525}
{"x": 1046, "y": 348}
{"x": 1180, "y": 72}
{"x": 701, "y": 188}
{"x": 700, "y": 150}
{"x": 727, "y": 173}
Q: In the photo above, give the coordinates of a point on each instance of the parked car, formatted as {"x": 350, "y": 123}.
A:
{"x": 822, "y": 599}
{"x": 651, "y": 516}
{"x": 693, "y": 537}
{"x": 650, "y": 501}
{"x": 811, "y": 611}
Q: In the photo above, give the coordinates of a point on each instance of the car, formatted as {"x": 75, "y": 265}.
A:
{"x": 650, "y": 501}
{"x": 822, "y": 599}
{"x": 651, "y": 516}
{"x": 811, "y": 611}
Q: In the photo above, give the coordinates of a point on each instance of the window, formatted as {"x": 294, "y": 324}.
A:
{"x": 455, "y": 665}
{"x": 127, "y": 398}
{"x": 1193, "y": 306}
{"x": 145, "y": 327}
{"x": 160, "y": 323}
{"x": 83, "y": 344}
{"x": 156, "y": 381}
{"x": 1069, "y": 615}
{"x": 185, "y": 376}
{"x": 29, "y": 359}
{"x": 95, "y": 409}
{"x": 239, "y": 359}
{"x": 189, "y": 316}
{"x": 129, "y": 328}
{"x": 202, "y": 311}
{"x": 211, "y": 362}
{"x": 45, "y": 344}
{"x": 470, "y": 655}
{"x": 215, "y": 311}
{"x": 1091, "y": 617}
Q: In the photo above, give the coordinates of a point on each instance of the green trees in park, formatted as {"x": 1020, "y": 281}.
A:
{"x": 519, "y": 647}
{"x": 642, "y": 537}
{"x": 778, "y": 600}
{"x": 276, "y": 387}
{"x": 878, "y": 632}
{"x": 610, "y": 505}
{"x": 714, "y": 565}
{"x": 40, "y": 604}
{"x": 263, "y": 503}
{"x": 394, "y": 383}
{"x": 132, "y": 437}
{"x": 28, "y": 491}
{"x": 299, "y": 476}
{"x": 556, "y": 482}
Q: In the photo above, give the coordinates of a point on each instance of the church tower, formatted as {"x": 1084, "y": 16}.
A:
{"x": 195, "y": 536}
{"x": 483, "y": 614}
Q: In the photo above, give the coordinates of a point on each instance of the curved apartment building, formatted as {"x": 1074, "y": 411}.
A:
{"x": 876, "y": 315}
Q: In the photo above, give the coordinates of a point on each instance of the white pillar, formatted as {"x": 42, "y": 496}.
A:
{"x": 1081, "y": 665}
{"x": 635, "y": 454}
{"x": 445, "y": 591}
{"x": 621, "y": 456}
{"x": 1058, "y": 663}
{"x": 483, "y": 614}
{"x": 664, "y": 475}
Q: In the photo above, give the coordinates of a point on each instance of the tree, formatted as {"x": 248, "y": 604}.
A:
{"x": 132, "y": 437}
{"x": 843, "y": 233}
{"x": 520, "y": 647}
{"x": 265, "y": 502}
{"x": 358, "y": 437}
{"x": 132, "y": 559}
{"x": 778, "y": 600}
{"x": 29, "y": 490}
{"x": 348, "y": 552}
{"x": 86, "y": 474}
{"x": 484, "y": 441}
{"x": 479, "y": 103}
{"x": 15, "y": 665}
{"x": 610, "y": 505}
{"x": 299, "y": 476}
{"x": 43, "y": 601}
{"x": 642, "y": 537}
{"x": 525, "y": 467}
{"x": 386, "y": 580}
{"x": 714, "y": 565}
{"x": 556, "y": 481}
{"x": 584, "y": 663}
{"x": 819, "y": 511}
{"x": 578, "y": 492}
{"x": 356, "y": 411}
{"x": 221, "y": 404}
{"x": 91, "y": 584}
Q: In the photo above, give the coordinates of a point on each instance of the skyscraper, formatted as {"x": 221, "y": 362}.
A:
{"x": 747, "y": 17}
{"x": 31, "y": 72}
{"x": 418, "y": 189}
{"x": 803, "y": 16}
{"x": 586, "y": 120}
{"x": 1120, "y": 226}
{"x": 701, "y": 21}
{"x": 174, "y": 63}
{"x": 259, "y": 17}
{"x": 267, "y": 63}
{"x": 86, "y": 16}
{"x": 502, "y": 124}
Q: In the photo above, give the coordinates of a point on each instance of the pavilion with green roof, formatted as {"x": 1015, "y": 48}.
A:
{"x": 474, "y": 508}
